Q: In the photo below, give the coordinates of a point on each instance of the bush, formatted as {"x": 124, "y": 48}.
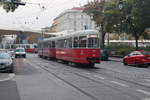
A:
{"x": 120, "y": 50}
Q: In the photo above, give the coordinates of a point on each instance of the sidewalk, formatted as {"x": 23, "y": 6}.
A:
{"x": 115, "y": 59}
{"x": 6, "y": 76}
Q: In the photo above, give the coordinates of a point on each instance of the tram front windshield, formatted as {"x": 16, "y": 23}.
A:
{"x": 93, "y": 41}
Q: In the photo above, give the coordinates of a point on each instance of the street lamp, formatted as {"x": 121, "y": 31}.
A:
{"x": 120, "y": 8}
{"x": 120, "y": 4}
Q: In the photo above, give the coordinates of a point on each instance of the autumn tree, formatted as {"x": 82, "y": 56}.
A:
{"x": 96, "y": 9}
{"x": 10, "y": 6}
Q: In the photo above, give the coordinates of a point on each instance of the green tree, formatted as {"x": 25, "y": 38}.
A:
{"x": 112, "y": 17}
{"x": 9, "y": 6}
{"x": 137, "y": 16}
{"x": 133, "y": 18}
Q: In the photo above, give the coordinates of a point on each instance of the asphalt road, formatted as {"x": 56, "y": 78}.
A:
{"x": 42, "y": 79}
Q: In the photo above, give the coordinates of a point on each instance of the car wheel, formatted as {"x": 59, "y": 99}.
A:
{"x": 124, "y": 62}
{"x": 137, "y": 64}
{"x": 145, "y": 66}
{"x": 11, "y": 70}
{"x": 91, "y": 65}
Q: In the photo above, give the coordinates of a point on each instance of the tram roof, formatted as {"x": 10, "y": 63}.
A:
{"x": 73, "y": 34}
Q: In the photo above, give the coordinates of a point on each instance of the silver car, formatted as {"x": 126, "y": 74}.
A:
{"x": 6, "y": 63}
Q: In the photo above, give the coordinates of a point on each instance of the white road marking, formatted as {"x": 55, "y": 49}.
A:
{"x": 11, "y": 76}
{"x": 121, "y": 84}
{"x": 143, "y": 91}
{"x": 35, "y": 66}
{"x": 147, "y": 80}
{"x": 99, "y": 77}
{"x": 145, "y": 99}
{"x": 88, "y": 73}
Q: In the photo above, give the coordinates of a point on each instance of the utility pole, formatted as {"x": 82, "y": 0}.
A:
{"x": 42, "y": 30}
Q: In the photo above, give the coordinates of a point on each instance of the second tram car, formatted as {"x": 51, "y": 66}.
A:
{"x": 30, "y": 48}
{"x": 81, "y": 47}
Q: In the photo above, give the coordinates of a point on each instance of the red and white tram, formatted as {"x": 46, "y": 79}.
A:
{"x": 30, "y": 48}
{"x": 46, "y": 48}
{"x": 81, "y": 47}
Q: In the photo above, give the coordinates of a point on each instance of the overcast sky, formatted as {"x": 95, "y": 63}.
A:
{"x": 33, "y": 17}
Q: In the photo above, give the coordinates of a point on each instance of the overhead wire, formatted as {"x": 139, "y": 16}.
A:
{"x": 46, "y": 6}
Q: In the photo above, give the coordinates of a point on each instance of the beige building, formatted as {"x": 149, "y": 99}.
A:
{"x": 72, "y": 19}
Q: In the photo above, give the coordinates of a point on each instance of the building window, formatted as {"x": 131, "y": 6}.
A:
{"x": 85, "y": 27}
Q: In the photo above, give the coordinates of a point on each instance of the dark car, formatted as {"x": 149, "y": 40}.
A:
{"x": 6, "y": 63}
{"x": 104, "y": 54}
{"x": 138, "y": 58}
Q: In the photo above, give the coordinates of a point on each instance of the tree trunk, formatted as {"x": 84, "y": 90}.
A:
{"x": 102, "y": 39}
{"x": 136, "y": 41}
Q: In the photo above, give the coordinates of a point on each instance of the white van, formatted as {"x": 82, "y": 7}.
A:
{"x": 20, "y": 52}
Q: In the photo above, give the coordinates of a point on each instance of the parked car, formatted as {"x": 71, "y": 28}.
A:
{"x": 20, "y": 52}
{"x": 104, "y": 54}
{"x": 12, "y": 53}
{"x": 6, "y": 63}
{"x": 3, "y": 50}
{"x": 138, "y": 58}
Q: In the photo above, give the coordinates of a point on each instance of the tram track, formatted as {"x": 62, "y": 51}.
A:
{"x": 69, "y": 83}
{"x": 129, "y": 81}
{"x": 105, "y": 74}
{"x": 77, "y": 72}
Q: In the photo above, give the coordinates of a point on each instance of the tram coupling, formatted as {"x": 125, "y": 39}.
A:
{"x": 93, "y": 59}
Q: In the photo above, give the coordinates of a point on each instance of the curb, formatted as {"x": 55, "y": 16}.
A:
{"x": 115, "y": 60}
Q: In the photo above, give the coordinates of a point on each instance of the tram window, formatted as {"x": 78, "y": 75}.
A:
{"x": 75, "y": 42}
{"x": 47, "y": 45}
{"x": 60, "y": 43}
{"x": 38, "y": 46}
{"x": 35, "y": 46}
{"x": 70, "y": 42}
{"x": 82, "y": 41}
{"x": 53, "y": 44}
{"x": 56, "y": 44}
{"x": 44, "y": 45}
{"x": 41, "y": 45}
{"x": 27, "y": 46}
{"x": 50, "y": 44}
{"x": 66, "y": 45}
{"x": 93, "y": 42}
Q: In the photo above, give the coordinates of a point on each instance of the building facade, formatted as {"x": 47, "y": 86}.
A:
{"x": 73, "y": 19}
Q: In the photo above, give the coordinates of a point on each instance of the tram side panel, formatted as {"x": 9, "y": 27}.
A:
{"x": 46, "y": 52}
{"x": 78, "y": 55}
{"x": 52, "y": 53}
{"x": 86, "y": 55}
{"x": 31, "y": 50}
{"x": 40, "y": 52}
